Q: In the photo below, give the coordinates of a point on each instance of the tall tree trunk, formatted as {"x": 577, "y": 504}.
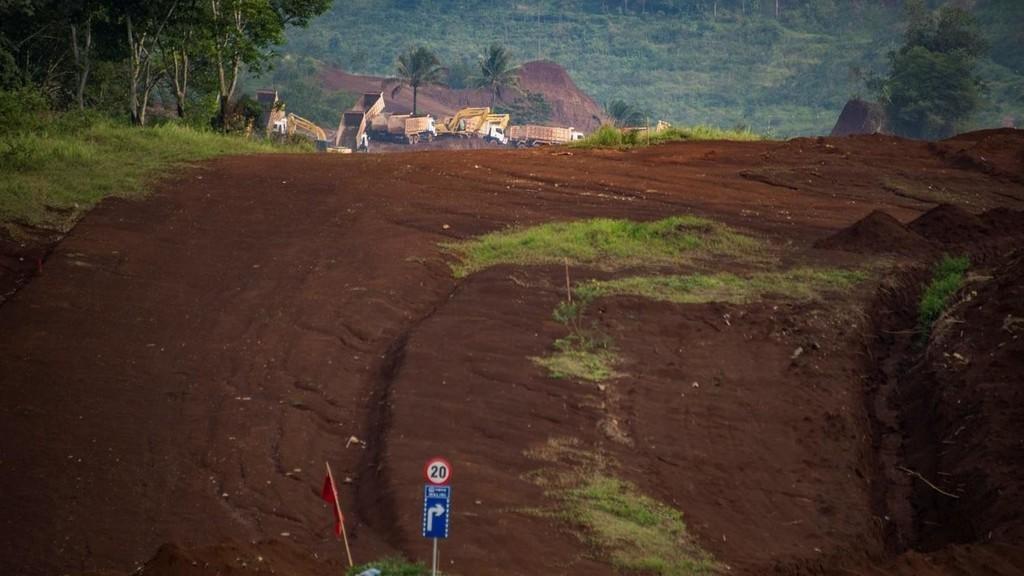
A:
{"x": 140, "y": 64}
{"x": 82, "y": 59}
{"x": 414, "y": 90}
{"x": 134, "y": 70}
{"x": 226, "y": 84}
{"x": 180, "y": 79}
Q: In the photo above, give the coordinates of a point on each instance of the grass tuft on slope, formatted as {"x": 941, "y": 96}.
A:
{"x": 53, "y": 175}
{"x": 602, "y": 242}
{"x": 797, "y": 284}
{"x": 947, "y": 277}
{"x": 638, "y": 533}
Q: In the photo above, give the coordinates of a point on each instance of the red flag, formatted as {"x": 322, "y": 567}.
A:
{"x": 330, "y": 494}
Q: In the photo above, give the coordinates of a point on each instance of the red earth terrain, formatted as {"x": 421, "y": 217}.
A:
{"x": 174, "y": 379}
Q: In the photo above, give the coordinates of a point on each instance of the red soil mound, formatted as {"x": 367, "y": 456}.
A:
{"x": 570, "y": 106}
{"x": 1004, "y": 221}
{"x": 861, "y": 117}
{"x": 876, "y": 233}
{"x": 999, "y": 152}
{"x": 950, "y": 224}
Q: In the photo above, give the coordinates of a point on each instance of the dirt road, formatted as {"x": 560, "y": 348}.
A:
{"x": 184, "y": 365}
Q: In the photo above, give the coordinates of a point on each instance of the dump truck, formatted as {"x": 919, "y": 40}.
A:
{"x": 494, "y": 128}
{"x": 351, "y": 134}
{"x": 411, "y": 129}
{"x": 534, "y": 135}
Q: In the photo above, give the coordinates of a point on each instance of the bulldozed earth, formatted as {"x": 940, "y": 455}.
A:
{"x": 718, "y": 367}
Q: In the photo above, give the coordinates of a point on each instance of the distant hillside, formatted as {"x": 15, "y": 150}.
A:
{"x": 566, "y": 104}
{"x": 727, "y": 62}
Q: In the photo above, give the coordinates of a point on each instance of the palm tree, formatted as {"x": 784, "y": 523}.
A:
{"x": 623, "y": 114}
{"x": 416, "y": 68}
{"x": 497, "y": 72}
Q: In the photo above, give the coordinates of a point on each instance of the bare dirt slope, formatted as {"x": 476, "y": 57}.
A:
{"x": 183, "y": 367}
{"x": 570, "y": 106}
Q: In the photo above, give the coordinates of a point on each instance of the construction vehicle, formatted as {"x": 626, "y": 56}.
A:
{"x": 411, "y": 129}
{"x": 476, "y": 123}
{"x": 661, "y": 126}
{"x": 466, "y": 123}
{"x": 271, "y": 110}
{"x": 297, "y": 124}
{"x": 351, "y": 135}
{"x": 534, "y": 135}
{"x": 495, "y": 128}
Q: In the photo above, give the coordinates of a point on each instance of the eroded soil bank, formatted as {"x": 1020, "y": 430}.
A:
{"x": 179, "y": 373}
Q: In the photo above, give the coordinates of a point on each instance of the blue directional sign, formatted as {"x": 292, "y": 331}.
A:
{"x": 436, "y": 510}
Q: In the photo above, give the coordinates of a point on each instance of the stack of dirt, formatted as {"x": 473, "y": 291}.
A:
{"x": 570, "y": 105}
{"x": 949, "y": 224}
{"x": 986, "y": 237}
{"x": 1004, "y": 221}
{"x": 877, "y": 233}
{"x": 861, "y": 117}
{"x": 999, "y": 152}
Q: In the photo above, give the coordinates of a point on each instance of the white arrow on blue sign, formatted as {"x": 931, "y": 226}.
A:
{"x": 436, "y": 509}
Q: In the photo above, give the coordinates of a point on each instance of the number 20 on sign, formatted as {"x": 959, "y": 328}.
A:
{"x": 438, "y": 471}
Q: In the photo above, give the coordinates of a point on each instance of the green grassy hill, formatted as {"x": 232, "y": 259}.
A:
{"x": 676, "y": 59}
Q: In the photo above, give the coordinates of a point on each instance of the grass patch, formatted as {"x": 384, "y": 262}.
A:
{"x": 638, "y": 533}
{"x": 53, "y": 175}
{"x": 602, "y": 242}
{"x": 392, "y": 566}
{"x": 947, "y": 277}
{"x": 799, "y": 284}
{"x": 581, "y": 357}
{"x": 610, "y": 137}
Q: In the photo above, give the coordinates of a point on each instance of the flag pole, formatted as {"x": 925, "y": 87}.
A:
{"x": 337, "y": 508}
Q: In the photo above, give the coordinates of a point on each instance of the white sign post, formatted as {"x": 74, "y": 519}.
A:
{"x": 436, "y": 503}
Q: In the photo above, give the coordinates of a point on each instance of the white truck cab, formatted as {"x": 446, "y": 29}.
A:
{"x": 496, "y": 134}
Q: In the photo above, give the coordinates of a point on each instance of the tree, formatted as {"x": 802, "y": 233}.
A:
{"x": 623, "y": 114}
{"x": 932, "y": 87}
{"x": 496, "y": 72}
{"x": 244, "y": 31}
{"x": 145, "y": 22}
{"x": 81, "y": 15}
{"x": 418, "y": 67}
{"x": 186, "y": 40}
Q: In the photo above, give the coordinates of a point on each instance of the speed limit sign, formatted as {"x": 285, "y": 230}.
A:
{"x": 438, "y": 471}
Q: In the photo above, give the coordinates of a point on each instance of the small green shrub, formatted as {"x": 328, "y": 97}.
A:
{"x": 392, "y": 566}
{"x": 581, "y": 356}
{"x": 947, "y": 277}
{"x": 639, "y": 533}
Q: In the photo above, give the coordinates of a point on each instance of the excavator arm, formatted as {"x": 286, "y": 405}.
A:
{"x": 297, "y": 123}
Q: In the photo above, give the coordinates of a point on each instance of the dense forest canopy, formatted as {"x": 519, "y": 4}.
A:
{"x": 781, "y": 67}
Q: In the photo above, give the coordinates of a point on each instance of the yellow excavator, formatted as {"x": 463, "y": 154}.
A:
{"x": 305, "y": 127}
{"x": 475, "y": 123}
{"x": 465, "y": 122}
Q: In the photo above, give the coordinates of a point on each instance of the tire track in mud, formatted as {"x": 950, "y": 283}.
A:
{"x": 375, "y": 504}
